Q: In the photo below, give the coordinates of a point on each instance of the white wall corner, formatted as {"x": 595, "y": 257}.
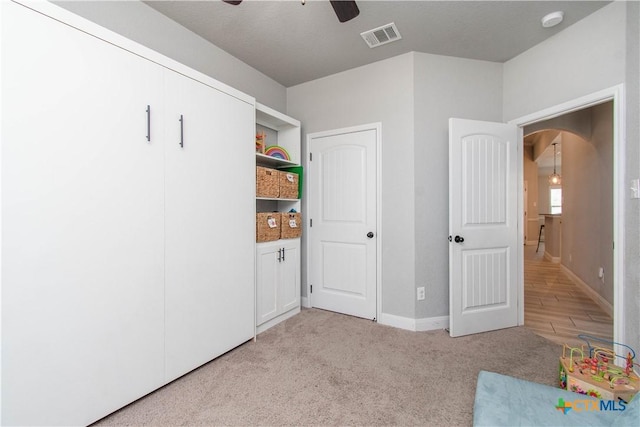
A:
{"x": 416, "y": 325}
{"x": 551, "y": 258}
{"x": 432, "y": 323}
{"x": 397, "y": 321}
{"x": 304, "y": 301}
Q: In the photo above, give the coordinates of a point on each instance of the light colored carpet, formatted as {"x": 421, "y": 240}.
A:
{"x": 323, "y": 368}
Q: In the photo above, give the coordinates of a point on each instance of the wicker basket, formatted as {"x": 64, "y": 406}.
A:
{"x": 288, "y": 182}
{"x": 291, "y": 225}
{"x": 267, "y": 226}
{"x": 267, "y": 182}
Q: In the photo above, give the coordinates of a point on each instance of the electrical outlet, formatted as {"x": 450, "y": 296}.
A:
{"x": 421, "y": 293}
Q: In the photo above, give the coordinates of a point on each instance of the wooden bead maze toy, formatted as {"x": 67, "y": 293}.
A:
{"x": 592, "y": 370}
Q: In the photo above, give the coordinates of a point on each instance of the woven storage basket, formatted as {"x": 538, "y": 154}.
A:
{"x": 267, "y": 182}
{"x": 288, "y": 185}
{"x": 267, "y": 226}
{"x": 291, "y": 225}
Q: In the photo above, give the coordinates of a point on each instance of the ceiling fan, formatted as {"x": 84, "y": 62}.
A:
{"x": 345, "y": 9}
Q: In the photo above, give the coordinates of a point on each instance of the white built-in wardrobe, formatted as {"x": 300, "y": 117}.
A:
{"x": 128, "y": 226}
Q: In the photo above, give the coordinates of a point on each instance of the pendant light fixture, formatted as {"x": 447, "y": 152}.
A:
{"x": 555, "y": 178}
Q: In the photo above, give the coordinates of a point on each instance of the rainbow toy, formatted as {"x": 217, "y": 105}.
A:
{"x": 277, "y": 152}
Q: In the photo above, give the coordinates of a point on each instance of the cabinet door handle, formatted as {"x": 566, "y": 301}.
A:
{"x": 148, "y": 123}
{"x": 283, "y": 254}
{"x": 181, "y": 131}
{"x": 280, "y": 255}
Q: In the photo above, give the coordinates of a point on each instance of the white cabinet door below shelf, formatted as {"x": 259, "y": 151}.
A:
{"x": 290, "y": 275}
{"x": 278, "y": 278}
{"x": 268, "y": 277}
{"x": 209, "y": 224}
{"x": 82, "y": 232}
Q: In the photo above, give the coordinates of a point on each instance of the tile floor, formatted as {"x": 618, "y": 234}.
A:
{"x": 555, "y": 307}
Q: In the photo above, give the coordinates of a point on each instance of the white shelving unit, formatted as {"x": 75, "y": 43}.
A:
{"x": 277, "y": 262}
{"x": 286, "y": 129}
{"x": 273, "y": 162}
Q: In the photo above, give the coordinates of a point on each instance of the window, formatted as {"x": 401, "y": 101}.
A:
{"x": 555, "y": 199}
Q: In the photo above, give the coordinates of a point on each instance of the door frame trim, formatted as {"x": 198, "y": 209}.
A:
{"x": 615, "y": 94}
{"x": 377, "y": 126}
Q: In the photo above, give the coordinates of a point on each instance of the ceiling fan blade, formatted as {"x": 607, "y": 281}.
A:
{"x": 233, "y": 2}
{"x": 345, "y": 10}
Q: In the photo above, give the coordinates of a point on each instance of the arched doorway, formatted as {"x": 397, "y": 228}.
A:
{"x": 569, "y": 281}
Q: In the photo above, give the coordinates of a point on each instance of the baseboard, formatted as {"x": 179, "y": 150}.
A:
{"x": 553, "y": 259}
{"x": 304, "y": 301}
{"x": 416, "y": 325}
{"x": 397, "y": 321}
{"x": 432, "y": 323}
{"x": 591, "y": 293}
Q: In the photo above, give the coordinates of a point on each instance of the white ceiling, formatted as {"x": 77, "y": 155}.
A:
{"x": 293, "y": 44}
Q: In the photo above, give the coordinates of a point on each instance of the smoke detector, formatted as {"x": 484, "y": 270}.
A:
{"x": 381, "y": 35}
{"x": 552, "y": 19}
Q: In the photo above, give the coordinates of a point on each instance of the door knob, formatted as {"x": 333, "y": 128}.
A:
{"x": 370, "y": 234}
{"x": 458, "y": 239}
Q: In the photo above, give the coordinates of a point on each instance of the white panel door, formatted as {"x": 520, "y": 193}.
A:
{"x": 483, "y": 226}
{"x": 342, "y": 239}
{"x": 210, "y": 220}
{"x": 82, "y": 242}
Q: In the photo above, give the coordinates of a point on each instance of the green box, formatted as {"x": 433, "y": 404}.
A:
{"x": 298, "y": 171}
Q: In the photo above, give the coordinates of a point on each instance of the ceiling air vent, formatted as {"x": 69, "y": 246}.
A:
{"x": 381, "y": 35}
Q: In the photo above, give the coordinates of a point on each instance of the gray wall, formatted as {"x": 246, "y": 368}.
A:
{"x": 587, "y": 217}
{"x": 380, "y": 92}
{"x": 602, "y": 139}
{"x": 597, "y": 52}
{"x": 543, "y": 190}
{"x": 139, "y": 22}
{"x": 444, "y": 87}
{"x": 530, "y": 174}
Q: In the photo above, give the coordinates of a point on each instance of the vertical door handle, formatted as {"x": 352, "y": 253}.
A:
{"x": 280, "y": 255}
{"x": 181, "y": 131}
{"x": 283, "y": 254}
{"x": 148, "y": 123}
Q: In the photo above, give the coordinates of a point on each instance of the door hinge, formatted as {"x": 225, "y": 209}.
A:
{"x": 310, "y": 157}
{"x": 311, "y": 288}
{"x": 310, "y": 222}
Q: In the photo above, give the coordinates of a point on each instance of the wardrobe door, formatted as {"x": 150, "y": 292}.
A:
{"x": 210, "y": 223}
{"x": 82, "y": 224}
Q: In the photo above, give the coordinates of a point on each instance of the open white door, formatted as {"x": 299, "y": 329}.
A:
{"x": 483, "y": 226}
